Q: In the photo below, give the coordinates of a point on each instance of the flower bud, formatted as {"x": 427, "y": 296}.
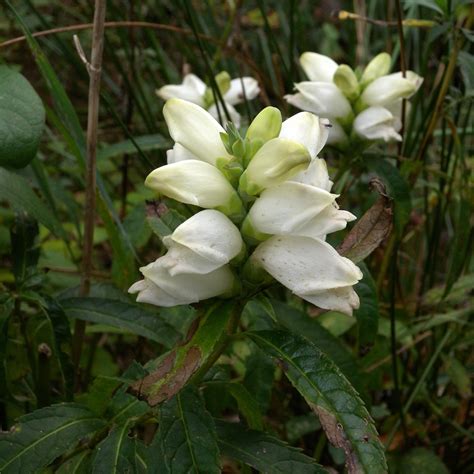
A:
{"x": 265, "y": 126}
{"x": 278, "y": 160}
{"x": 198, "y": 183}
{"x": 378, "y": 67}
{"x": 318, "y": 67}
{"x": 346, "y": 80}
{"x": 223, "y": 82}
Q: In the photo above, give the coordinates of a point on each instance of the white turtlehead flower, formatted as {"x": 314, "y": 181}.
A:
{"x": 193, "y": 89}
{"x": 311, "y": 269}
{"x": 322, "y": 98}
{"x": 377, "y": 123}
{"x": 393, "y": 87}
{"x": 195, "y": 130}
{"x": 318, "y": 67}
{"x": 162, "y": 289}
{"x": 202, "y": 243}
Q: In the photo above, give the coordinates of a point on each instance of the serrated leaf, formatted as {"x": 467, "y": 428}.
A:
{"x": 371, "y": 229}
{"x": 21, "y": 119}
{"x": 116, "y": 453}
{"x": 187, "y": 435}
{"x": 262, "y": 451}
{"x": 43, "y": 435}
{"x": 122, "y": 315}
{"x": 300, "y": 323}
{"x": 78, "y": 464}
{"x": 341, "y": 412}
{"x": 177, "y": 367}
{"x": 17, "y": 191}
{"x": 397, "y": 189}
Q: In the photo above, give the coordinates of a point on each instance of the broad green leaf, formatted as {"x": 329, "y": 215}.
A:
{"x": 21, "y": 119}
{"x": 145, "y": 142}
{"x": 78, "y": 464}
{"x": 119, "y": 314}
{"x": 300, "y": 323}
{"x": 43, "y": 435}
{"x": 116, "y": 453}
{"x": 187, "y": 435}
{"x": 262, "y": 451}
{"x": 341, "y": 412}
{"x": 368, "y": 312}
{"x": 175, "y": 369}
{"x": 18, "y": 192}
{"x": 397, "y": 188}
{"x": 247, "y": 405}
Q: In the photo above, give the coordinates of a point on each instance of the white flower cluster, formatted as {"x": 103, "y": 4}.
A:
{"x": 268, "y": 209}
{"x": 193, "y": 89}
{"x": 365, "y": 106}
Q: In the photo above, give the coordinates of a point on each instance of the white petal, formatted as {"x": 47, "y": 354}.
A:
{"x": 234, "y": 115}
{"x": 193, "y": 182}
{"x": 235, "y": 95}
{"x": 336, "y": 134}
{"x": 329, "y": 220}
{"x": 189, "y": 287}
{"x": 276, "y": 161}
{"x": 179, "y": 153}
{"x": 377, "y": 123}
{"x": 190, "y": 90}
{"x": 318, "y": 67}
{"x": 194, "y": 82}
{"x": 315, "y": 175}
{"x": 323, "y": 98}
{"x": 387, "y": 89}
{"x": 306, "y": 266}
{"x": 195, "y": 129}
{"x": 149, "y": 293}
{"x": 307, "y": 129}
{"x": 283, "y": 209}
{"x": 343, "y": 299}
{"x": 211, "y": 235}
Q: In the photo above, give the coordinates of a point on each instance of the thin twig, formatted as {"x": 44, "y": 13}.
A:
{"x": 413, "y": 22}
{"x": 94, "y": 68}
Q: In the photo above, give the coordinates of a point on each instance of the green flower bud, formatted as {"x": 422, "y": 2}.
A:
{"x": 265, "y": 126}
{"x": 346, "y": 80}
{"x": 378, "y": 67}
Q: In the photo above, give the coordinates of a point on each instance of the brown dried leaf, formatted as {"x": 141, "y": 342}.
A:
{"x": 371, "y": 229}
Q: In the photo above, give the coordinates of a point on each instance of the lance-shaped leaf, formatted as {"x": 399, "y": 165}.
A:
{"x": 116, "y": 453}
{"x": 122, "y": 315}
{"x": 341, "y": 412}
{"x": 263, "y": 451}
{"x": 43, "y": 435}
{"x": 187, "y": 435}
{"x": 175, "y": 368}
{"x": 371, "y": 229}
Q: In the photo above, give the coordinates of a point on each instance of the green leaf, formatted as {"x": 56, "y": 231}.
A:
{"x": 174, "y": 369}
{"x": 421, "y": 460}
{"x": 6, "y": 310}
{"x": 127, "y": 147}
{"x": 368, "y": 312}
{"x": 459, "y": 375}
{"x": 21, "y": 119}
{"x": 431, "y": 4}
{"x": 116, "y": 453}
{"x": 78, "y": 464}
{"x": 397, "y": 188}
{"x": 341, "y": 412}
{"x": 18, "y": 192}
{"x": 262, "y": 451}
{"x": 187, "y": 435}
{"x": 43, "y": 435}
{"x": 248, "y": 406}
{"x": 466, "y": 64}
{"x": 300, "y": 323}
{"x": 119, "y": 314}
{"x": 162, "y": 219}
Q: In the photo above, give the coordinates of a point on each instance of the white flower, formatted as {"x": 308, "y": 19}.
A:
{"x": 318, "y": 67}
{"x": 198, "y": 183}
{"x": 337, "y": 135}
{"x": 311, "y": 269}
{"x": 162, "y": 289}
{"x": 276, "y": 161}
{"x": 387, "y": 89}
{"x": 322, "y": 98}
{"x": 195, "y": 129}
{"x": 193, "y": 89}
{"x": 377, "y": 123}
{"x": 202, "y": 243}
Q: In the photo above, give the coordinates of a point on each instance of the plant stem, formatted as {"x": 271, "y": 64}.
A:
{"x": 94, "y": 69}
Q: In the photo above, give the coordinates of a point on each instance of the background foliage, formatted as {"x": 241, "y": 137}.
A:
{"x": 408, "y": 352}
